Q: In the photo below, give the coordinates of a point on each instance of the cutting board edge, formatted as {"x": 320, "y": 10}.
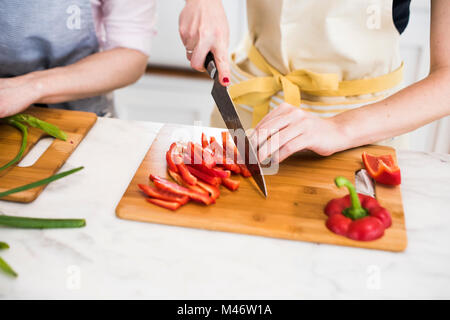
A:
{"x": 338, "y": 240}
{"x": 31, "y": 195}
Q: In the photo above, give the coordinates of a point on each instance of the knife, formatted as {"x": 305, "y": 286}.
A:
{"x": 364, "y": 183}
{"x": 234, "y": 125}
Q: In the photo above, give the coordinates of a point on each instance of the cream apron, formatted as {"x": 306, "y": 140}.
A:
{"x": 323, "y": 56}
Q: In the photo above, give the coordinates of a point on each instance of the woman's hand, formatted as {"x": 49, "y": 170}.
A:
{"x": 16, "y": 96}
{"x": 203, "y": 27}
{"x": 288, "y": 129}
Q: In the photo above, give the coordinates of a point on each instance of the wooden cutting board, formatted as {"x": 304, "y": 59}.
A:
{"x": 293, "y": 209}
{"x": 75, "y": 123}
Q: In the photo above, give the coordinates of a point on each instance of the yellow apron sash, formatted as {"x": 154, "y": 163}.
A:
{"x": 257, "y": 91}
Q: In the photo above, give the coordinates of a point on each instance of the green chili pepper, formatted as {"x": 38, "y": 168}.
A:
{"x": 355, "y": 211}
{"x": 3, "y": 265}
{"x": 6, "y": 268}
{"x": 48, "y": 128}
{"x": 4, "y": 245}
{"x": 40, "y": 182}
{"x": 19, "y": 155}
{"x": 37, "y": 223}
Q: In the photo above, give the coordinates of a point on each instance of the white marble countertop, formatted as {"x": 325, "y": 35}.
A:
{"x": 113, "y": 258}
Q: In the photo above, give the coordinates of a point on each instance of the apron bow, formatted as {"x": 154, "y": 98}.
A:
{"x": 258, "y": 91}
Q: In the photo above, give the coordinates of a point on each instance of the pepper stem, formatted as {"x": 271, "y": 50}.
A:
{"x": 355, "y": 211}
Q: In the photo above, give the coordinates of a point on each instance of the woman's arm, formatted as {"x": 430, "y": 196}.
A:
{"x": 410, "y": 108}
{"x": 415, "y": 106}
{"x": 124, "y": 33}
{"x": 94, "y": 75}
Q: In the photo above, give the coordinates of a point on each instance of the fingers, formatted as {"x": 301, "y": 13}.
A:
{"x": 271, "y": 127}
{"x": 297, "y": 144}
{"x": 281, "y": 109}
{"x": 188, "y": 30}
{"x": 199, "y": 55}
{"x": 221, "y": 58}
{"x": 278, "y": 140}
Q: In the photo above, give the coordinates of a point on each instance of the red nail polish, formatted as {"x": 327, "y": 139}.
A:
{"x": 226, "y": 80}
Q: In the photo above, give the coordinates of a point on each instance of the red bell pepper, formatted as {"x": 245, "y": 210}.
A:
{"x": 215, "y": 181}
{"x": 356, "y": 216}
{"x": 231, "y": 184}
{"x": 214, "y": 172}
{"x": 171, "y": 205}
{"x": 382, "y": 169}
{"x": 162, "y": 195}
{"x": 186, "y": 175}
{"x": 171, "y": 159}
{"x": 177, "y": 189}
{"x": 213, "y": 191}
{"x": 204, "y": 140}
{"x": 221, "y": 173}
{"x": 232, "y": 149}
{"x": 175, "y": 176}
{"x": 220, "y": 157}
{"x": 244, "y": 171}
{"x": 197, "y": 155}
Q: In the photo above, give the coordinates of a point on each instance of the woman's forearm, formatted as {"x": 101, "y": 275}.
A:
{"x": 94, "y": 75}
{"x": 409, "y": 109}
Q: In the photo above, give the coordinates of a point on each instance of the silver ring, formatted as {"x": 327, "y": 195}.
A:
{"x": 189, "y": 51}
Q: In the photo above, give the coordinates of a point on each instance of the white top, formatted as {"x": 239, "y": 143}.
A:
{"x": 113, "y": 258}
{"x": 124, "y": 23}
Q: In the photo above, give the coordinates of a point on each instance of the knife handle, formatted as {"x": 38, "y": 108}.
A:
{"x": 210, "y": 65}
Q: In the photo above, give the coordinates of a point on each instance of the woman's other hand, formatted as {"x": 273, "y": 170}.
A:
{"x": 288, "y": 129}
{"x": 16, "y": 96}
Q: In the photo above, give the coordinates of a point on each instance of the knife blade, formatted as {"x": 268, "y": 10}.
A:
{"x": 364, "y": 183}
{"x": 232, "y": 121}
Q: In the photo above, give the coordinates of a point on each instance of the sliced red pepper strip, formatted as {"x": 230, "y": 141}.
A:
{"x": 215, "y": 181}
{"x": 223, "y": 173}
{"x": 204, "y": 140}
{"x": 218, "y": 152}
{"x": 382, "y": 169}
{"x": 186, "y": 175}
{"x": 231, "y": 184}
{"x": 208, "y": 158}
{"x": 213, "y": 191}
{"x": 175, "y": 176}
{"x": 229, "y": 149}
{"x": 198, "y": 155}
{"x": 170, "y": 158}
{"x": 171, "y": 205}
{"x": 244, "y": 171}
{"x": 214, "y": 172}
{"x": 163, "y": 195}
{"x": 175, "y": 188}
{"x": 232, "y": 149}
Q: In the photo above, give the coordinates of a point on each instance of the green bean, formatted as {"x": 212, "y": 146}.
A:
{"x": 6, "y": 268}
{"x": 40, "y": 182}
{"x": 48, "y": 128}
{"x": 19, "y": 155}
{"x": 37, "y": 223}
{"x": 4, "y": 245}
